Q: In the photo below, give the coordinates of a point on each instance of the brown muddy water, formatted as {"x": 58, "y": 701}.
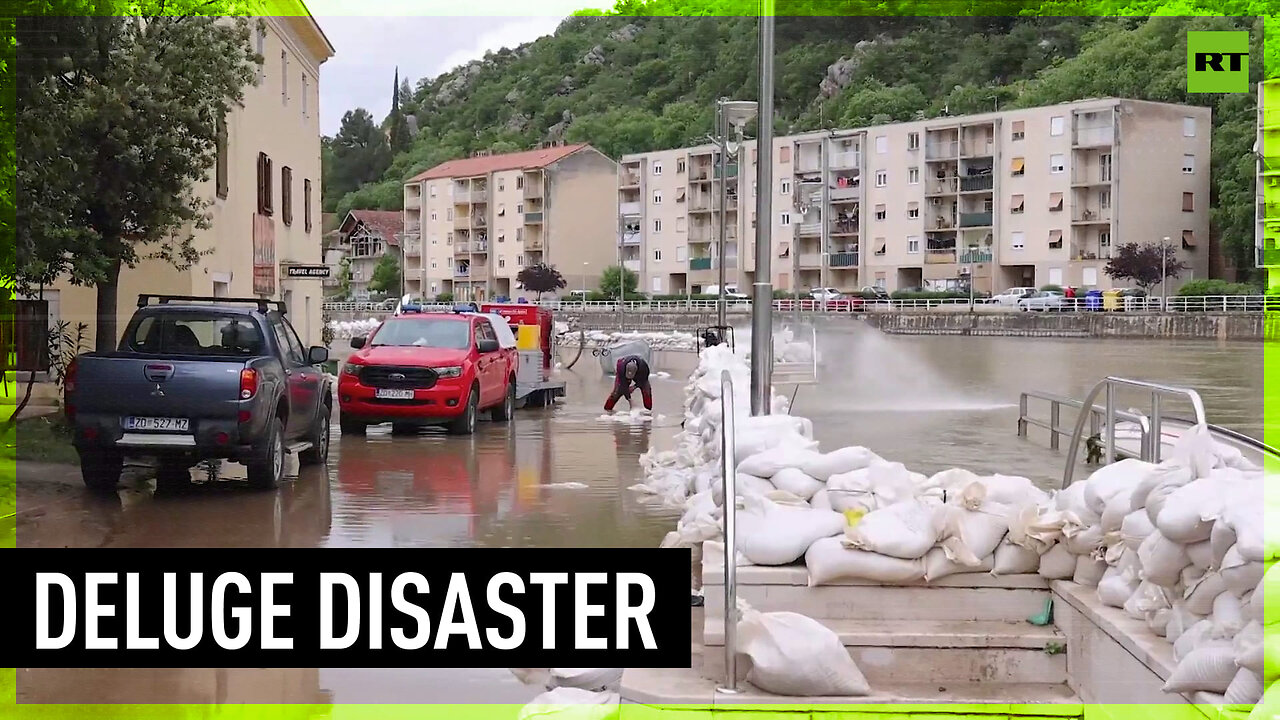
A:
{"x": 559, "y": 478}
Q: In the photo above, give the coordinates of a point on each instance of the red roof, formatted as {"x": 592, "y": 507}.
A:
{"x": 472, "y": 167}
{"x": 387, "y": 223}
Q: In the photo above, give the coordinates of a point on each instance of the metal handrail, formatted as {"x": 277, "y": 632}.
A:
{"x": 728, "y": 469}
{"x": 1055, "y": 411}
{"x": 1153, "y": 445}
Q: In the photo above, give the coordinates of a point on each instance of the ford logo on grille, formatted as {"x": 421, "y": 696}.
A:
{"x": 396, "y": 376}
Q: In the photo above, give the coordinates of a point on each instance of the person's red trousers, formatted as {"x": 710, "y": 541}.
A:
{"x": 623, "y": 388}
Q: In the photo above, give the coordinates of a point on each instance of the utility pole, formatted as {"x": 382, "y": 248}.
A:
{"x": 762, "y": 304}
{"x": 1164, "y": 274}
{"x": 721, "y": 133}
{"x": 825, "y": 253}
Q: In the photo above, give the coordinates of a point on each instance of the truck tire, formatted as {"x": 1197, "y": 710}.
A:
{"x": 466, "y": 425}
{"x": 101, "y": 469}
{"x": 318, "y": 453}
{"x": 351, "y": 427}
{"x": 266, "y": 467}
{"x": 507, "y": 410}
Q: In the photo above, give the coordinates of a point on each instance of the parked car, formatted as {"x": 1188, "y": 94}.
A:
{"x": 1044, "y": 300}
{"x": 874, "y": 292}
{"x": 825, "y": 294}
{"x": 197, "y": 379}
{"x": 1010, "y": 297}
{"x": 421, "y": 369}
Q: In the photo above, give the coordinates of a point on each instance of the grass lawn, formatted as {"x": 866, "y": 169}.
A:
{"x": 45, "y": 439}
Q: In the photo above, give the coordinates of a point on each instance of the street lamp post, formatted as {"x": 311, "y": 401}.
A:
{"x": 735, "y": 114}
{"x": 762, "y": 304}
{"x": 584, "y": 282}
{"x": 1164, "y": 274}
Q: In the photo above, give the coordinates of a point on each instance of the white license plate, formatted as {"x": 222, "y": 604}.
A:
{"x": 158, "y": 424}
{"x": 387, "y": 394}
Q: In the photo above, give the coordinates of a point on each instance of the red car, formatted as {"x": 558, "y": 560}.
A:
{"x": 422, "y": 369}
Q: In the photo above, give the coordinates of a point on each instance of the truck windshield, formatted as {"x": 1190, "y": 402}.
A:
{"x": 424, "y": 332}
{"x": 196, "y": 333}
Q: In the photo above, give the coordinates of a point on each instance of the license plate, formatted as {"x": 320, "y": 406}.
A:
{"x": 386, "y": 394}
{"x": 158, "y": 424}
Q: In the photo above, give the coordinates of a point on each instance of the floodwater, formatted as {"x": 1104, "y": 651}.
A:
{"x": 559, "y": 478}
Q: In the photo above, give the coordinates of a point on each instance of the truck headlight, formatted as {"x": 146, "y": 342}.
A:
{"x": 351, "y": 369}
{"x": 449, "y": 372}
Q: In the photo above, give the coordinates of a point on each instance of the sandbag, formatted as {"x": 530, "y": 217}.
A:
{"x": 1011, "y": 559}
{"x": 1170, "y": 472}
{"x": 1180, "y": 620}
{"x": 1221, "y": 539}
{"x": 1256, "y": 608}
{"x": 797, "y": 656}
{"x": 593, "y": 679}
{"x": 1245, "y": 688}
{"x": 1072, "y": 500}
{"x": 1201, "y": 555}
{"x": 903, "y": 530}
{"x": 1122, "y": 476}
{"x": 1248, "y": 646}
{"x": 1209, "y": 668}
{"x": 767, "y": 464}
{"x": 1192, "y": 638}
{"x": 1227, "y": 616}
{"x": 772, "y": 534}
{"x": 1160, "y": 495}
{"x": 567, "y": 703}
{"x": 1269, "y": 707}
{"x": 846, "y": 459}
{"x": 1248, "y": 513}
{"x": 829, "y": 560}
{"x": 1083, "y": 541}
{"x": 1057, "y": 564}
{"x": 821, "y": 500}
{"x": 1240, "y": 575}
{"x": 1135, "y": 528}
{"x": 1146, "y": 599}
{"x": 878, "y": 485}
{"x": 1162, "y": 560}
{"x": 1114, "y": 513}
{"x": 797, "y": 482}
{"x": 1116, "y": 587}
{"x": 744, "y": 484}
{"x": 1200, "y": 597}
{"x": 970, "y": 536}
{"x": 1189, "y": 512}
{"x": 1089, "y": 571}
{"x": 937, "y": 565}
{"x": 1013, "y": 490}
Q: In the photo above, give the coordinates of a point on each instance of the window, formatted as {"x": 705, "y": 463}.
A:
{"x": 435, "y": 240}
{"x": 657, "y": 197}
{"x": 284, "y": 77}
{"x": 1055, "y": 202}
{"x": 882, "y": 144}
{"x": 1017, "y": 204}
{"x": 519, "y": 182}
{"x": 913, "y": 141}
{"x": 434, "y": 216}
{"x": 913, "y": 245}
{"x": 1055, "y": 241}
{"x": 881, "y": 212}
{"x": 1188, "y": 202}
{"x": 784, "y": 154}
{"x": 680, "y": 165}
{"x": 680, "y": 254}
{"x": 786, "y": 187}
{"x": 680, "y": 224}
{"x": 1188, "y": 240}
{"x": 502, "y": 262}
{"x": 1188, "y": 127}
{"x": 502, "y": 210}
{"x": 502, "y": 237}
{"x": 913, "y": 175}
{"x": 448, "y": 214}
{"x": 1104, "y": 199}
{"x": 1057, "y": 125}
{"x": 1019, "y": 241}
{"x": 1104, "y": 239}
{"x": 913, "y": 210}
{"x": 784, "y": 218}
{"x": 1019, "y": 130}
{"x": 1019, "y": 167}
{"x": 882, "y": 178}
{"x": 431, "y": 190}
{"x": 519, "y": 208}
{"x": 657, "y": 168}
{"x": 880, "y": 246}
{"x": 502, "y": 185}
{"x": 264, "y": 185}
{"x": 657, "y": 226}
{"x": 1104, "y": 165}
{"x": 656, "y": 283}
{"x": 1188, "y": 164}
{"x": 262, "y": 52}
{"x": 221, "y": 172}
{"x": 519, "y": 261}
{"x": 657, "y": 256}
{"x": 1057, "y": 163}
{"x": 306, "y": 205}
{"x": 305, "y": 85}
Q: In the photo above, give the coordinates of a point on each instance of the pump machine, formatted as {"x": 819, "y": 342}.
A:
{"x": 532, "y": 326}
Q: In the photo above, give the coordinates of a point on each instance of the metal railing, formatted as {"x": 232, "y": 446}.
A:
{"x": 1054, "y": 426}
{"x": 796, "y": 373}
{"x": 728, "y": 471}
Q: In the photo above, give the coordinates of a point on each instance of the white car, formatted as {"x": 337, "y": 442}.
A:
{"x": 1010, "y": 297}
{"x": 825, "y": 294}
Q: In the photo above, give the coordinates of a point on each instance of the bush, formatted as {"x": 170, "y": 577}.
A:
{"x": 444, "y": 297}
{"x": 930, "y": 295}
{"x": 1051, "y": 288}
{"x": 1203, "y": 288}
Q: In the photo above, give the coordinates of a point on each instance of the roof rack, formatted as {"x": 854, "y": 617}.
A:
{"x": 263, "y": 305}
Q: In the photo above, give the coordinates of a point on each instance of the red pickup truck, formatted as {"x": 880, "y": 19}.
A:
{"x": 437, "y": 368}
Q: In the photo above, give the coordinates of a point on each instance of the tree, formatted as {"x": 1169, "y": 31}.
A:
{"x": 540, "y": 278}
{"x": 614, "y": 277}
{"x": 119, "y": 120}
{"x": 399, "y": 130}
{"x": 360, "y": 153}
{"x": 386, "y": 275}
{"x": 344, "y": 277}
{"x": 1143, "y": 263}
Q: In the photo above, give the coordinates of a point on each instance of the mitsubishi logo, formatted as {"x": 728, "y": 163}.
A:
{"x": 396, "y": 376}
{"x": 157, "y": 392}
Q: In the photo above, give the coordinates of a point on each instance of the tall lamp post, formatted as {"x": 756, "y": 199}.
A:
{"x": 584, "y": 282}
{"x": 733, "y": 114}
{"x": 1164, "y": 274}
{"x": 762, "y": 301}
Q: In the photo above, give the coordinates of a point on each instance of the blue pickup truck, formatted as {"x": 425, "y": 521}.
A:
{"x": 198, "y": 378}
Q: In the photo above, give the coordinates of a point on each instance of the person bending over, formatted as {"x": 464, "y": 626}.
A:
{"x": 632, "y": 373}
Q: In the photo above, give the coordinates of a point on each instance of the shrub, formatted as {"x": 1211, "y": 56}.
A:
{"x": 1051, "y": 288}
{"x": 1203, "y": 288}
{"x": 929, "y": 295}
{"x": 444, "y": 297}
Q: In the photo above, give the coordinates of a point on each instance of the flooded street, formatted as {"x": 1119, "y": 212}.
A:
{"x": 559, "y": 478}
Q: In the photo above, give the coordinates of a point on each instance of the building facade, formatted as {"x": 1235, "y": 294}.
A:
{"x": 264, "y": 194}
{"x": 1267, "y": 233}
{"x": 1020, "y": 197}
{"x": 471, "y": 225}
{"x": 365, "y": 237}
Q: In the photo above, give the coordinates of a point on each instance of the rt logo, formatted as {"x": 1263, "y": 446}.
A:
{"x": 1218, "y": 61}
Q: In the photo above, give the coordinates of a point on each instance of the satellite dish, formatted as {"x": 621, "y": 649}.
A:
{"x": 731, "y": 147}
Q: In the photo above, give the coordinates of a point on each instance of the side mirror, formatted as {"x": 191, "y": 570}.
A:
{"x": 358, "y": 342}
{"x": 317, "y": 355}
{"x": 487, "y": 345}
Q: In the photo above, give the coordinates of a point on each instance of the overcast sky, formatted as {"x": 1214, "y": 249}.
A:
{"x": 369, "y": 48}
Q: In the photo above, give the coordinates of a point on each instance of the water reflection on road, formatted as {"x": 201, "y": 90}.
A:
{"x": 559, "y": 478}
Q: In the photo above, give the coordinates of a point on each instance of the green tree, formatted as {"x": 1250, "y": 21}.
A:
{"x": 118, "y": 120}
{"x": 344, "y": 277}
{"x": 399, "y": 130}
{"x": 360, "y": 153}
{"x": 1146, "y": 264}
{"x": 540, "y": 278}
{"x": 386, "y": 275}
{"x": 615, "y": 277}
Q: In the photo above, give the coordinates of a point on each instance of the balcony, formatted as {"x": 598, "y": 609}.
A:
{"x": 1269, "y": 212}
{"x": 631, "y": 264}
{"x": 1093, "y": 136}
{"x": 462, "y": 248}
{"x": 629, "y": 208}
{"x": 480, "y": 247}
{"x": 412, "y": 227}
{"x": 812, "y": 229}
{"x": 1087, "y": 216}
{"x": 1091, "y": 176}
{"x": 463, "y": 197}
{"x": 976, "y": 148}
{"x": 533, "y": 218}
{"x": 462, "y": 272}
{"x": 532, "y": 191}
{"x": 701, "y": 173}
{"x": 844, "y": 259}
{"x": 974, "y": 257}
{"x": 700, "y": 263}
{"x": 977, "y": 219}
{"x": 942, "y": 150}
{"x": 945, "y": 186}
{"x": 627, "y": 238}
{"x": 533, "y": 244}
{"x": 413, "y": 249}
{"x": 629, "y": 180}
{"x": 846, "y": 161}
{"x": 844, "y": 193}
{"x": 730, "y": 171}
{"x": 845, "y": 227}
{"x": 412, "y": 201}
{"x": 940, "y": 256}
{"x": 977, "y": 183}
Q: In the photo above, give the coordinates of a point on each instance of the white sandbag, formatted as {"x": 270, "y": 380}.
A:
{"x": 1221, "y": 539}
{"x": 766, "y": 432}
{"x": 1038, "y": 528}
{"x": 1114, "y": 513}
{"x": 1248, "y": 511}
{"x": 968, "y": 536}
{"x": 795, "y": 656}
{"x": 1209, "y": 668}
{"x": 821, "y": 500}
{"x": 1249, "y": 647}
{"x": 1200, "y": 597}
{"x": 1189, "y": 512}
{"x": 952, "y": 479}
{"x": 1191, "y": 575}
{"x": 1227, "y": 615}
{"x": 938, "y": 564}
{"x": 829, "y": 560}
{"x": 836, "y": 462}
{"x": 593, "y": 679}
{"x": 1089, "y": 571}
{"x": 1072, "y": 500}
{"x": 567, "y": 703}
{"x": 745, "y": 484}
{"x": 879, "y": 485}
{"x": 1162, "y": 559}
{"x": 1197, "y": 449}
{"x": 1161, "y": 493}
{"x": 1240, "y": 575}
{"x": 795, "y": 481}
{"x": 1256, "y": 608}
{"x": 1180, "y": 620}
{"x": 1269, "y": 707}
{"x": 1245, "y": 688}
{"x": 1194, "y": 637}
{"x": 903, "y": 530}
{"x": 772, "y": 534}
{"x": 1135, "y": 528}
{"x": 1013, "y": 490}
{"x": 1201, "y": 555}
{"x": 1169, "y": 472}
{"x": 1116, "y": 587}
{"x": 1205, "y": 700}
{"x": 1083, "y": 541}
{"x": 1122, "y": 476}
{"x": 767, "y": 464}
{"x": 532, "y": 676}
{"x": 1011, "y": 559}
{"x": 1057, "y": 564}
{"x": 1146, "y": 599}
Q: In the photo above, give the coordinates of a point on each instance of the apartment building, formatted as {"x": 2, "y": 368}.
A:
{"x": 1020, "y": 197}
{"x": 1267, "y": 233}
{"x": 365, "y": 237}
{"x": 264, "y": 194}
{"x": 470, "y": 225}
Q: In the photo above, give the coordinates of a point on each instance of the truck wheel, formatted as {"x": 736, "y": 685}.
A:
{"x": 351, "y": 427}
{"x": 101, "y": 469}
{"x": 507, "y": 410}
{"x": 466, "y": 424}
{"x": 319, "y": 452}
{"x": 267, "y": 465}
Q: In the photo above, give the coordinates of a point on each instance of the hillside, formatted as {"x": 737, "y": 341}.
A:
{"x": 628, "y": 84}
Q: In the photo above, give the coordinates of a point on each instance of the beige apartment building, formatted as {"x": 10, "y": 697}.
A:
{"x": 1020, "y": 197}
{"x": 471, "y": 225}
{"x": 1267, "y": 233}
{"x": 264, "y": 194}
